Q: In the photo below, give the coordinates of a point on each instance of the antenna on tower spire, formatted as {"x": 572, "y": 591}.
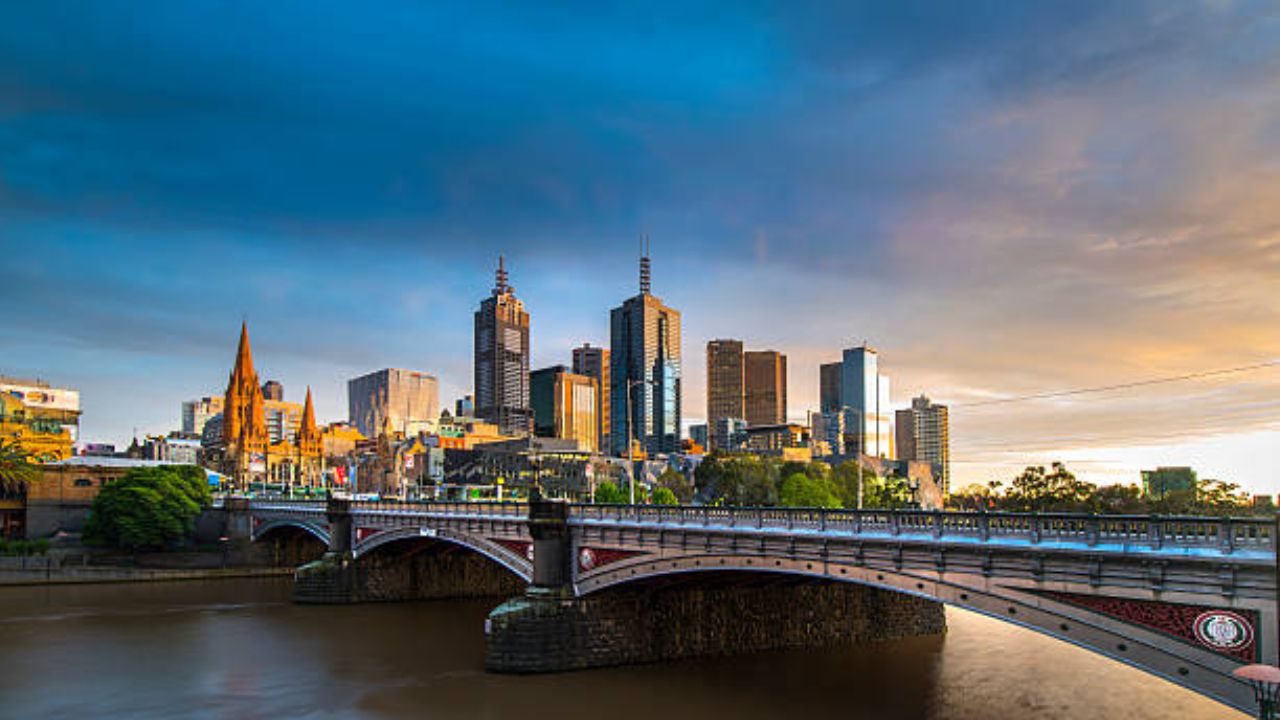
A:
{"x": 501, "y": 286}
{"x": 645, "y": 274}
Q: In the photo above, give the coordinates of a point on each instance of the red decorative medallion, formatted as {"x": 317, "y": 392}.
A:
{"x": 1226, "y": 632}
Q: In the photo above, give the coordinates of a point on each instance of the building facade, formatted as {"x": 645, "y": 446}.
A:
{"x": 645, "y": 372}
{"x": 195, "y": 413}
{"x": 725, "y": 389}
{"x": 41, "y": 419}
{"x": 273, "y": 390}
{"x": 502, "y": 359}
{"x": 829, "y": 393}
{"x": 866, "y": 392}
{"x": 410, "y": 399}
{"x": 923, "y": 434}
{"x": 564, "y": 406}
{"x": 764, "y": 387}
{"x": 594, "y": 362}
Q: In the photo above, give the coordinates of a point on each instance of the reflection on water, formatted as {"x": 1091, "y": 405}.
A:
{"x": 241, "y": 649}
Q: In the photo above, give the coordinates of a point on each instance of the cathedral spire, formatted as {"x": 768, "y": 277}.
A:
{"x": 244, "y": 355}
{"x": 308, "y": 414}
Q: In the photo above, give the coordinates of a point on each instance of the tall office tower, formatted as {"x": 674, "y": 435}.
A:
{"x": 594, "y": 362}
{"x": 725, "y": 393}
{"x": 502, "y": 359}
{"x": 272, "y": 390}
{"x": 866, "y": 392}
{"x": 410, "y": 399}
{"x": 765, "y": 387}
{"x": 564, "y": 406}
{"x": 924, "y": 435}
{"x": 644, "y": 372}
{"x": 829, "y": 386}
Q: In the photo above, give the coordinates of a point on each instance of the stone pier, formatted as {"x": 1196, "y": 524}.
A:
{"x": 550, "y": 629}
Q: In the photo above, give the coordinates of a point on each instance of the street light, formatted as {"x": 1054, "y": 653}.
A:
{"x": 631, "y": 451}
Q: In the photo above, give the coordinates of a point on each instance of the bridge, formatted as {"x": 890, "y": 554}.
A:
{"x": 1189, "y": 599}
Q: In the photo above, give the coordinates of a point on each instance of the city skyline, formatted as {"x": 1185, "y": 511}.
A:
{"x": 1073, "y": 211}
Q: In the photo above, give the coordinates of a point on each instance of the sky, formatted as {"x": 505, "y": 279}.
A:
{"x": 1006, "y": 199}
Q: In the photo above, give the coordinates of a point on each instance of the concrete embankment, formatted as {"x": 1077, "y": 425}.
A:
{"x": 51, "y": 575}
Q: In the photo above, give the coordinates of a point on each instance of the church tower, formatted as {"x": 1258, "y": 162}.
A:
{"x": 244, "y": 422}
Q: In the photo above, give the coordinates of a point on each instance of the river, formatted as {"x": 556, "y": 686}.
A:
{"x": 240, "y": 649}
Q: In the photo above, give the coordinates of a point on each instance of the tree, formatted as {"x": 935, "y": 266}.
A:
{"x": 148, "y": 508}
{"x": 1036, "y": 490}
{"x": 1117, "y": 500}
{"x": 675, "y": 481}
{"x": 664, "y": 496}
{"x": 16, "y": 469}
{"x": 800, "y": 490}
{"x": 608, "y": 493}
{"x": 886, "y": 493}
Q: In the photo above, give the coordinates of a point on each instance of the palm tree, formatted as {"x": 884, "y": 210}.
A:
{"x": 16, "y": 469}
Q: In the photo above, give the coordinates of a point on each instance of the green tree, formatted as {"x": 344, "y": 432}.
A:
{"x": 16, "y": 469}
{"x": 664, "y": 496}
{"x": 801, "y": 490}
{"x": 1036, "y": 490}
{"x": 148, "y": 508}
{"x": 886, "y": 493}
{"x": 676, "y": 482}
{"x": 609, "y": 494}
{"x": 1117, "y": 500}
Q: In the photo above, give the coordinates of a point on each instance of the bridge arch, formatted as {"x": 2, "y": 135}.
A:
{"x": 316, "y": 530}
{"x": 1199, "y": 670}
{"x": 517, "y": 565}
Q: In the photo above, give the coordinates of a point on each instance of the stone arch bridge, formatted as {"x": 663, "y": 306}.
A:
{"x": 1189, "y": 599}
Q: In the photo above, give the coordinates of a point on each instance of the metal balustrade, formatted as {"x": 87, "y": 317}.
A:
{"x": 1225, "y": 534}
{"x": 1172, "y": 533}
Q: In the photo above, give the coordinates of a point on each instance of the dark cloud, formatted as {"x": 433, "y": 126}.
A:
{"x": 1005, "y": 197}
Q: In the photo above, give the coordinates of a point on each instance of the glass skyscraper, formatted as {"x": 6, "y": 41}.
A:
{"x": 645, "y": 364}
{"x": 865, "y": 391}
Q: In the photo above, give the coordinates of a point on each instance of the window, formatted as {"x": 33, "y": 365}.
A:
{"x": 83, "y": 482}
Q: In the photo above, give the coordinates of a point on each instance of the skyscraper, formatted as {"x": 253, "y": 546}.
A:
{"x": 564, "y": 406}
{"x": 725, "y": 393}
{"x": 866, "y": 392}
{"x": 645, "y": 371}
{"x": 765, "y": 387}
{"x": 410, "y": 399}
{"x": 829, "y": 386}
{"x": 594, "y": 362}
{"x": 502, "y": 359}
{"x": 924, "y": 435}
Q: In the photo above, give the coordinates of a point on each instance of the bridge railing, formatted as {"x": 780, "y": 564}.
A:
{"x": 412, "y": 507}
{"x": 1224, "y": 534}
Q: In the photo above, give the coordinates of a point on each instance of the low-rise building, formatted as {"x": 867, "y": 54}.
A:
{"x": 41, "y": 419}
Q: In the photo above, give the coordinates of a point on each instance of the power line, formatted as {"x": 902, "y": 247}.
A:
{"x": 1122, "y": 386}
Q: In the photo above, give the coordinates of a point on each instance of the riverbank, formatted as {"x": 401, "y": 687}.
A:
{"x": 53, "y": 575}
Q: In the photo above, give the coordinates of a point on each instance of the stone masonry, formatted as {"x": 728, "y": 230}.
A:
{"x": 546, "y": 631}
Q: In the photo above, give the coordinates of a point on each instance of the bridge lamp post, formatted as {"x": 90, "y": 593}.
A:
{"x": 1265, "y": 681}
{"x": 631, "y": 451}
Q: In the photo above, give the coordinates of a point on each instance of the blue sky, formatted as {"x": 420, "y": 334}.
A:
{"x": 1004, "y": 198}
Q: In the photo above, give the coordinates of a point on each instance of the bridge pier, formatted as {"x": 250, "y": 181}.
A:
{"x": 550, "y": 629}
{"x": 425, "y": 569}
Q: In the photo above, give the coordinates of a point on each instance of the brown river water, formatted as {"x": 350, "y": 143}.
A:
{"x": 240, "y": 649}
